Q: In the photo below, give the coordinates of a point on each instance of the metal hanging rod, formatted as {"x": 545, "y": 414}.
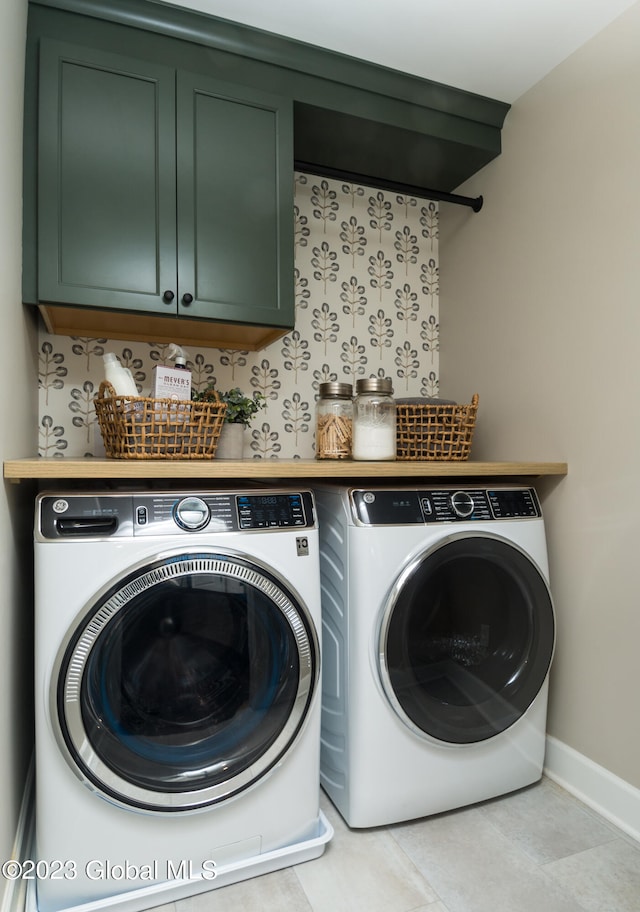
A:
{"x": 474, "y": 203}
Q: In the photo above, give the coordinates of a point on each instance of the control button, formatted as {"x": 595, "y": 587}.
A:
{"x": 462, "y": 504}
{"x": 142, "y": 516}
{"x": 191, "y": 513}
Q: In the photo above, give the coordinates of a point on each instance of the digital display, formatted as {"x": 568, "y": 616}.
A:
{"x": 263, "y": 511}
{"x": 515, "y": 503}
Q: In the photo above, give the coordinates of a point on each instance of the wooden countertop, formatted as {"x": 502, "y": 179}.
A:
{"x": 88, "y": 469}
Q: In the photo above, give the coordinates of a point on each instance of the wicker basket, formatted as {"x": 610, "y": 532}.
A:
{"x": 140, "y": 428}
{"x": 435, "y": 432}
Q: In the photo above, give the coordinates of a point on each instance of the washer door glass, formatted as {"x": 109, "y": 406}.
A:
{"x": 466, "y": 639}
{"x": 186, "y": 682}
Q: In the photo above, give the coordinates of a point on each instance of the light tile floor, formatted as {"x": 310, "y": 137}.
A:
{"x": 536, "y": 850}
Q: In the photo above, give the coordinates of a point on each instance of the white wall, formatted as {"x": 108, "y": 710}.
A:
{"x": 540, "y": 314}
{"x": 17, "y": 438}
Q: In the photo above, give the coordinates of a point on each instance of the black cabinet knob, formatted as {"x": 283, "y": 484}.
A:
{"x": 187, "y": 299}
{"x": 168, "y": 296}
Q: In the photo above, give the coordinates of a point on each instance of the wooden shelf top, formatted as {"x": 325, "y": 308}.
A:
{"x": 89, "y": 469}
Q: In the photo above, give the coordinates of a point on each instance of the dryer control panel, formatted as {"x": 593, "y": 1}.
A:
{"x": 410, "y": 506}
{"x": 82, "y": 516}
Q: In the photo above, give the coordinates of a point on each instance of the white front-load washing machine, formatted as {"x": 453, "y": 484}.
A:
{"x": 177, "y": 691}
{"x": 438, "y": 635}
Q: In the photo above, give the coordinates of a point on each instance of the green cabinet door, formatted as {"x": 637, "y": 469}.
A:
{"x": 106, "y": 180}
{"x": 235, "y": 203}
{"x": 162, "y": 192}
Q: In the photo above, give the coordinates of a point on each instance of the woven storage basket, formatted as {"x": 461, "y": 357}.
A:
{"x": 140, "y": 428}
{"x": 435, "y": 432}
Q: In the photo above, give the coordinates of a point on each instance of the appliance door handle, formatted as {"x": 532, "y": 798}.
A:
{"x": 87, "y": 525}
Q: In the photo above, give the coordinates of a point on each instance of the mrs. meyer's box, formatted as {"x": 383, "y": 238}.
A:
{"x": 171, "y": 383}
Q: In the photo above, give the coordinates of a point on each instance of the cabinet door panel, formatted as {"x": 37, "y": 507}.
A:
{"x": 106, "y": 180}
{"x": 235, "y": 203}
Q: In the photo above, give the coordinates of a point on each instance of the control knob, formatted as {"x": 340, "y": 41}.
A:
{"x": 462, "y": 504}
{"x": 191, "y": 513}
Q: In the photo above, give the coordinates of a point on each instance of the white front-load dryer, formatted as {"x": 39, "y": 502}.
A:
{"x": 177, "y": 693}
{"x": 438, "y": 635}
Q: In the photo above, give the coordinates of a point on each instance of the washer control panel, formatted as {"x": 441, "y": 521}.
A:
{"x": 404, "y": 507}
{"x": 270, "y": 511}
{"x": 83, "y": 516}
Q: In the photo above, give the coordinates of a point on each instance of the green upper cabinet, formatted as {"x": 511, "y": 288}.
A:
{"x": 235, "y": 202}
{"x": 106, "y": 180}
{"x": 162, "y": 192}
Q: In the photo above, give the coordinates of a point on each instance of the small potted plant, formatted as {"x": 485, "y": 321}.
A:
{"x": 240, "y": 411}
{"x": 241, "y": 408}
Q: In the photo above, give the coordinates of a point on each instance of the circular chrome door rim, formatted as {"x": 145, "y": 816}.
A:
{"x": 92, "y": 770}
{"x": 388, "y": 609}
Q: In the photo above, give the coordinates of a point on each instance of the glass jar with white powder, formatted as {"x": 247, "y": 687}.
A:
{"x": 374, "y": 420}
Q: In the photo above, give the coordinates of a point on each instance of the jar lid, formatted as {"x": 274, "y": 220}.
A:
{"x": 374, "y": 385}
{"x": 335, "y": 389}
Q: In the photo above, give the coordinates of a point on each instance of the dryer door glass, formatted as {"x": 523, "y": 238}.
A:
{"x": 186, "y": 682}
{"x": 466, "y": 639}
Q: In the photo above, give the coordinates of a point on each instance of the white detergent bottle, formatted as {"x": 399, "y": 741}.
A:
{"x": 120, "y": 378}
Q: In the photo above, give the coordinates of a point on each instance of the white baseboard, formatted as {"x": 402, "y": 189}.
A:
{"x": 15, "y": 892}
{"x": 613, "y": 798}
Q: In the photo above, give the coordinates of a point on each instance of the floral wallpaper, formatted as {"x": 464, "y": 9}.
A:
{"x": 367, "y": 283}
